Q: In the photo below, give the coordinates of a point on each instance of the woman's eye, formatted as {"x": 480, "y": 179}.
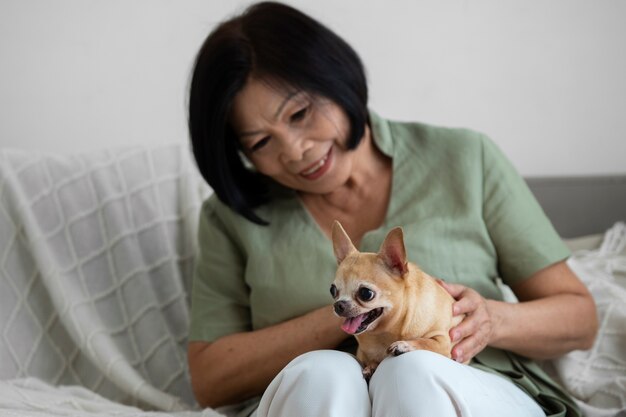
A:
{"x": 299, "y": 115}
{"x": 365, "y": 294}
{"x": 258, "y": 145}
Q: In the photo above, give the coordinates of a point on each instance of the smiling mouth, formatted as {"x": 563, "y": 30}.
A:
{"x": 319, "y": 168}
{"x": 359, "y": 324}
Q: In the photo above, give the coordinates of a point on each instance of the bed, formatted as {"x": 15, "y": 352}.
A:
{"x": 96, "y": 254}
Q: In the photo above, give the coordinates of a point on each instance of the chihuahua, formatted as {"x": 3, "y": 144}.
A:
{"x": 389, "y": 305}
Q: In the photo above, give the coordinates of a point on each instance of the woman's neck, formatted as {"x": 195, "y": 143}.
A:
{"x": 361, "y": 203}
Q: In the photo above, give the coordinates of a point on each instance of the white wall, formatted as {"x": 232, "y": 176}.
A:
{"x": 545, "y": 79}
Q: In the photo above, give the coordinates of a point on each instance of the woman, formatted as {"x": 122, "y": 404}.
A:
{"x": 281, "y": 131}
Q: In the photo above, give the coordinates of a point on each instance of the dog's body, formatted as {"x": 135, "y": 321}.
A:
{"x": 390, "y": 305}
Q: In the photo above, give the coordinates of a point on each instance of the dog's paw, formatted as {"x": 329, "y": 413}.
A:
{"x": 368, "y": 371}
{"x": 400, "y": 347}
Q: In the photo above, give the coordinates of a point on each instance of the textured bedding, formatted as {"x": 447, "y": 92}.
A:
{"x": 96, "y": 254}
{"x": 597, "y": 377}
{"x": 31, "y": 397}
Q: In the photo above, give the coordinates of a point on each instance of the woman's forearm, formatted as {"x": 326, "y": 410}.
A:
{"x": 240, "y": 366}
{"x": 544, "y": 328}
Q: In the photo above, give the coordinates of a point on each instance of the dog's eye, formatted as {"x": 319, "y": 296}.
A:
{"x": 333, "y": 291}
{"x": 365, "y": 294}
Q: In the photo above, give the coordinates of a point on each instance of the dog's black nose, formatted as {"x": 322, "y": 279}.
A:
{"x": 341, "y": 307}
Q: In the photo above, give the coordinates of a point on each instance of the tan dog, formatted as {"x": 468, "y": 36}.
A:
{"x": 390, "y": 305}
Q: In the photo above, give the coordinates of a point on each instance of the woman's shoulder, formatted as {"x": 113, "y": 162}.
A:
{"x": 213, "y": 207}
{"x": 218, "y": 221}
{"x": 281, "y": 207}
{"x": 217, "y": 214}
{"x": 435, "y": 135}
{"x": 420, "y": 136}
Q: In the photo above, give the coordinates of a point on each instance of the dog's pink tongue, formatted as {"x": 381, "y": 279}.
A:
{"x": 352, "y": 324}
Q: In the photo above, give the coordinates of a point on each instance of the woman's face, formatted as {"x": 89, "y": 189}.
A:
{"x": 294, "y": 138}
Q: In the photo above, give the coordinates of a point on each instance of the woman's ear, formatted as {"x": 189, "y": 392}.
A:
{"x": 246, "y": 162}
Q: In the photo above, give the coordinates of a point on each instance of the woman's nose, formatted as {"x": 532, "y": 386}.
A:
{"x": 293, "y": 148}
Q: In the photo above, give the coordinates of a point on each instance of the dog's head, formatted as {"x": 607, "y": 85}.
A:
{"x": 367, "y": 285}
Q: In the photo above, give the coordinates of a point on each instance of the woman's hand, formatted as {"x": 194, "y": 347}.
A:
{"x": 474, "y": 333}
{"x": 555, "y": 315}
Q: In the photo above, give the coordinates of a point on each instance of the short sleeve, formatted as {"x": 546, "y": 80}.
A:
{"x": 523, "y": 236}
{"x": 220, "y": 296}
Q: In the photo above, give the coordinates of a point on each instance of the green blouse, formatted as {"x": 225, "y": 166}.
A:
{"x": 468, "y": 217}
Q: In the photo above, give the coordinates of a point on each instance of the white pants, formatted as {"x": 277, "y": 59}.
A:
{"x": 420, "y": 383}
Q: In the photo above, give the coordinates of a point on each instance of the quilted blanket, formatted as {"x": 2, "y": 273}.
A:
{"x": 597, "y": 377}
{"x": 96, "y": 253}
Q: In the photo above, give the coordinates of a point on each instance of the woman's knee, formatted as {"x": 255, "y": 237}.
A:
{"x": 423, "y": 383}
{"x": 328, "y": 366}
{"x": 421, "y": 364}
{"x": 329, "y": 383}
{"x": 414, "y": 383}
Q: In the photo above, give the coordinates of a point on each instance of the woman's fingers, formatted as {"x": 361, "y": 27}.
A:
{"x": 455, "y": 290}
{"x": 466, "y": 304}
{"x": 472, "y": 334}
{"x": 466, "y": 350}
{"x": 466, "y": 328}
{"x": 472, "y": 339}
{"x": 467, "y": 299}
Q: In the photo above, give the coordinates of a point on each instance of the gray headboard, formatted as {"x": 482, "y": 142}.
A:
{"x": 579, "y": 206}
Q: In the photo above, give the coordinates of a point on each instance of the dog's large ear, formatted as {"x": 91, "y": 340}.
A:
{"x": 393, "y": 253}
{"x": 342, "y": 245}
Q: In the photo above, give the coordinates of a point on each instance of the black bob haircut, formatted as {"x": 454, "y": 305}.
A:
{"x": 280, "y": 44}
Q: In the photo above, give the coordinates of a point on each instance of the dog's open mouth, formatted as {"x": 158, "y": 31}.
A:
{"x": 358, "y": 324}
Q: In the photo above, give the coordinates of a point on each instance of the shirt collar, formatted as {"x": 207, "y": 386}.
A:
{"x": 381, "y": 133}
